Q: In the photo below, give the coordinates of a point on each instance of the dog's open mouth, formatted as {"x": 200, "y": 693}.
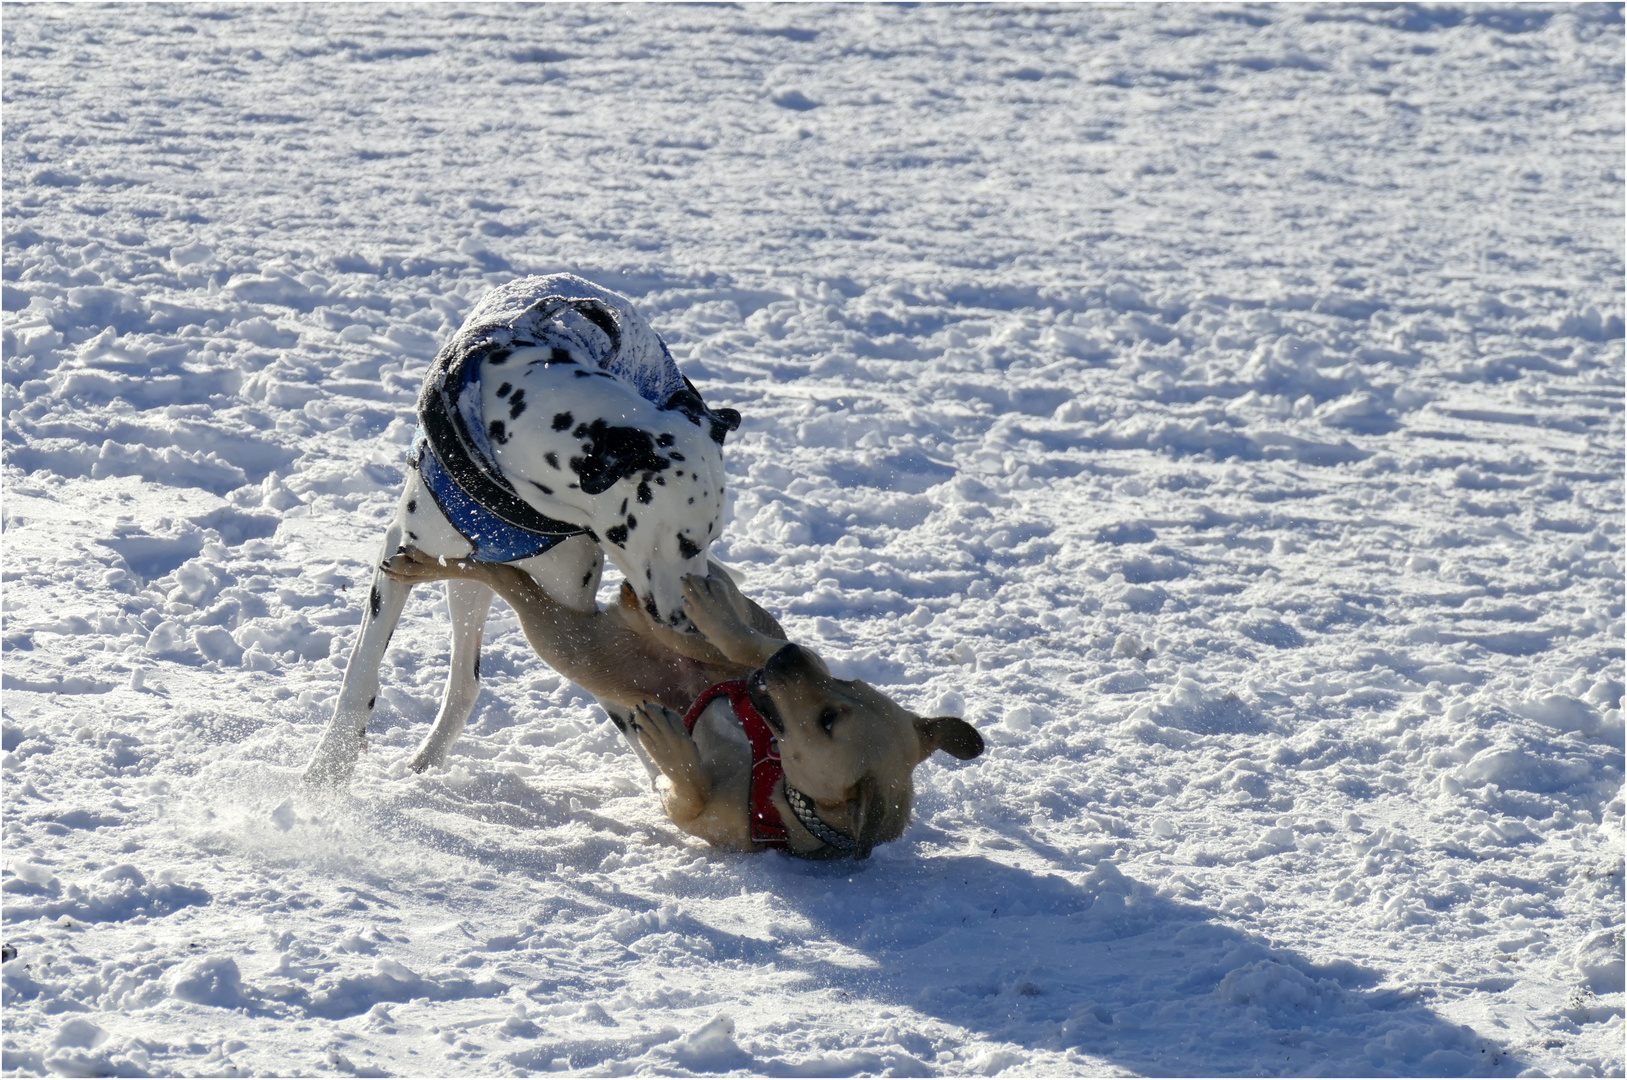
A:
{"x": 763, "y": 702}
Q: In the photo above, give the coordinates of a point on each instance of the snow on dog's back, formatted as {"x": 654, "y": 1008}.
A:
{"x": 561, "y": 395}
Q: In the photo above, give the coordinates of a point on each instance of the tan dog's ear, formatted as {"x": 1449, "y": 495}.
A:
{"x": 950, "y": 734}
{"x": 865, "y": 812}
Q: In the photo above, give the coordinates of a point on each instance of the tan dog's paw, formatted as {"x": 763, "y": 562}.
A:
{"x": 662, "y": 734}
{"x": 412, "y": 566}
{"x": 724, "y": 584}
{"x": 717, "y": 609}
{"x": 666, "y": 740}
{"x": 694, "y": 646}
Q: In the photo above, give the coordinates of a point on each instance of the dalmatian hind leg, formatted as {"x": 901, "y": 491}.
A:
{"x": 569, "y": 572}
{"x": 468, "y": 602}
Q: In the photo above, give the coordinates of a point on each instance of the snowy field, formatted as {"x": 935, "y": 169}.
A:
{"x": 1220, "y": 406}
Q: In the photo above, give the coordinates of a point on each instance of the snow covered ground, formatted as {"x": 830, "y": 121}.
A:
{"x": 1221, "y": 406}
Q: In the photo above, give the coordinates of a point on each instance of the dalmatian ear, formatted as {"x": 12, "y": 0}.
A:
{"x": 730, "y": 421}
{"x": 719, "y": 421}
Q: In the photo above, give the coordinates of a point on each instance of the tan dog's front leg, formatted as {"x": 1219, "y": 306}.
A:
{"x": 632, "y": 612}
{"x": 696, "y": 646}
{"x": 724, "y": 615}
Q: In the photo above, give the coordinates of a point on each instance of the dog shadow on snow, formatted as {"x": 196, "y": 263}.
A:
{"x": 1110, "y": 969}
{"x": 1100, "y": 964}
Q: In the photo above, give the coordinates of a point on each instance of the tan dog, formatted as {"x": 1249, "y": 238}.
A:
{"x": 848, "y": 752}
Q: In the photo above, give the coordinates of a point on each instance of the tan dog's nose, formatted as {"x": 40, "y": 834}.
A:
{"x": 794, "y": 660}
{"x": 786, "y": 661}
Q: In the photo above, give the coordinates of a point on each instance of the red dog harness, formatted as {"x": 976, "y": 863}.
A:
{"x": 767, "y": 827}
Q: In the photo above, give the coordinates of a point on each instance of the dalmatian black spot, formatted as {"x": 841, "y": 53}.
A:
{"x": 644, "y": 494}
{"x": 411, "y": 535}
{"x": 552, "y": 459}
{"x": 632, "y": 522}
{"x": 587, "y": 577}
{"x": 375, "y": 601}
{"x": 516, "y": 405}
{"x": 612, "y": 453}
{"x": 498, "y": 431}
{"x": 477, "y": 665}
{"x": 498, "y": 356}
{"x": 623, "y": 509}
{"x": 562, "y": 420}
{"x": 649, "y": 605}
{"x": 582, "y": 374}
{"x": 544, "y": 488}
{"x": 676, "y": 456}
{"x": 661, "y": 481}
{"x": 561, "y": 356}
{"x": 372, "y": 701}
{"x": 649, "y": 574}
{"x": 412, "y": 506}
{"x": 687, "y": 547}
{"x": 617, "y": 534}
{"x": 665, "y": 439}
{"x": 503, "y": 391}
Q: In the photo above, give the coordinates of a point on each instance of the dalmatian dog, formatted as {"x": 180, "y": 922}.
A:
{"x": 555, "y": 430}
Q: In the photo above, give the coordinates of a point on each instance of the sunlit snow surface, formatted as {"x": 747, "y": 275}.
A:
{"x": 1222, "y": 407}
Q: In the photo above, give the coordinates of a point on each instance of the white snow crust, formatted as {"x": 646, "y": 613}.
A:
{"x": 1220, "y": 406}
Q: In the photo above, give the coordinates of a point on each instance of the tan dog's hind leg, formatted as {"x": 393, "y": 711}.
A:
{"x": 662, "y": 734}
{"x": 708, "y": 802}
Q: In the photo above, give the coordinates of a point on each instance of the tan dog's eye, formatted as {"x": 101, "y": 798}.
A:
{"x": 827, "y": 718}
